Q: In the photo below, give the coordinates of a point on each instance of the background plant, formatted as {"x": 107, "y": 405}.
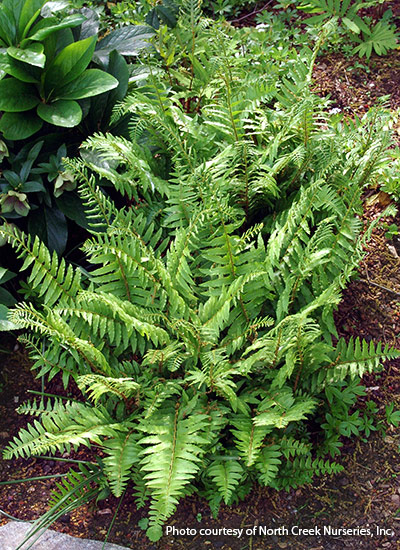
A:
{"x": 377, "y": 36}
{"x": 48, "y": 53}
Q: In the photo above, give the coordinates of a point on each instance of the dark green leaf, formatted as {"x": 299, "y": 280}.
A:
{"x": 32, "y": 187}
{"x": 91, "y": 24}
{"x": 167, "y": 13}
{"x": 6, "y": 275}
{"x": 16, "y": 96}
{"x": 152, "y": 19}
{"x": 30, "y": 10}
{"x": 102, "y": 105}
{"x": 64, "y": 113}
{"x": 6, "y": 298}
{"x": 7, "y": 28}
{"x": 37, "y": 224}
{"x": 71, "y": 205}
{"x": 57, "y": 231}
{"x": 47, "y": 27}
{"x": 90, "y": 83}
{"x": 13, "y": 178}
{"x": 31, "y": 54}
{"x": 70, "y": 63}
{"x": 21, "y": 71}
{"x": 20, "y": 125}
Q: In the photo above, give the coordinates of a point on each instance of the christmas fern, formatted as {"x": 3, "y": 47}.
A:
{"x": 202, "y": 335}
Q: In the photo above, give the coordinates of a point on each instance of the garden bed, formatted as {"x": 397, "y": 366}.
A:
{"x": 364, "y": 497}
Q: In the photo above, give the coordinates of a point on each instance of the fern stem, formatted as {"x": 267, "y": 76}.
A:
{"x": 229, "y": 102}
{"x": 301, "y": 356}
{"x": 246, "y": 178}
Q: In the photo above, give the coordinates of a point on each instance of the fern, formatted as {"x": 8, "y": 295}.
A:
{"x": 171, "y": 457}
{"x": 202, "y": 336}
{"x": 226, "y": 475}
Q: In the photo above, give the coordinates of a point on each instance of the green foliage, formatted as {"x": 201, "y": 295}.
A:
{"x": 44, "y": 71}
{"x": 6, "y": 299}
{"x": 75, "y": 86}
{"x": 26, "y": 198}
{"x": 380, "y": 37}
{"x": 202, "y": 337}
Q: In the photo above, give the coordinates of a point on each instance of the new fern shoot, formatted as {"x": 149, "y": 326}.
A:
{"x": 202, "y": 335}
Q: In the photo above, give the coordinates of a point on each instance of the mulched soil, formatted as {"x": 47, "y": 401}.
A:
{"x": 365, "y": 496}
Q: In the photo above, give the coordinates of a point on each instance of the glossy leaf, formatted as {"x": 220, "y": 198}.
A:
{"x": 31, "y": 54}
{"x": 16, "y": 96}
{"x": 53, "y": 7}
{"x": 90, "y": 83}
{"x": 70, "y": 63}
{"x": 29, "y": 12}
{"x": 129, "y": 40}
{"x": 46, "y": 27}
{"x": 64, "y": 113}
{"x": 20, "y": 125}
{"x": 21, "y": 71}
{"x": 102, "y": 105}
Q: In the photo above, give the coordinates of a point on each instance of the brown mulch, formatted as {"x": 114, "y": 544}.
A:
{"x": 354, "y": 85}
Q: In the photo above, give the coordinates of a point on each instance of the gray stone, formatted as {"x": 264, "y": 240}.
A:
{"x": 14, "y": 532}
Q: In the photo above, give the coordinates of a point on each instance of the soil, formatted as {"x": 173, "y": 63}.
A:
{"x": 364, "y": 498}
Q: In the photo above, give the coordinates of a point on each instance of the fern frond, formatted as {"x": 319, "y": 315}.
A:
{"x": 56, "y": 281}
{"x": 268, "y": 464}
{"x": 226, "y": 475}
{"x": 249, "y": 438}
{"x": 171, "y": 457}
{"x": 96, "y": 386}
{"x": 123, "y": 456}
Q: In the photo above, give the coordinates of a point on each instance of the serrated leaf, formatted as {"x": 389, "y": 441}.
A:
{"x": 129, "y": 40}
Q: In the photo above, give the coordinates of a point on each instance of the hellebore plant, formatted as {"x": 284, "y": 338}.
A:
{"x": 43, "y": 70}
{"x": 15, "y": 202}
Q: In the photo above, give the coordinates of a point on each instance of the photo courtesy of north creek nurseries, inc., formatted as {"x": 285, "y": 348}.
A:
{"x": 199, "y": 275}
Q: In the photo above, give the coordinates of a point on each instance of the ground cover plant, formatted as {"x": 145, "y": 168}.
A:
{"x": 201, "y": 331}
